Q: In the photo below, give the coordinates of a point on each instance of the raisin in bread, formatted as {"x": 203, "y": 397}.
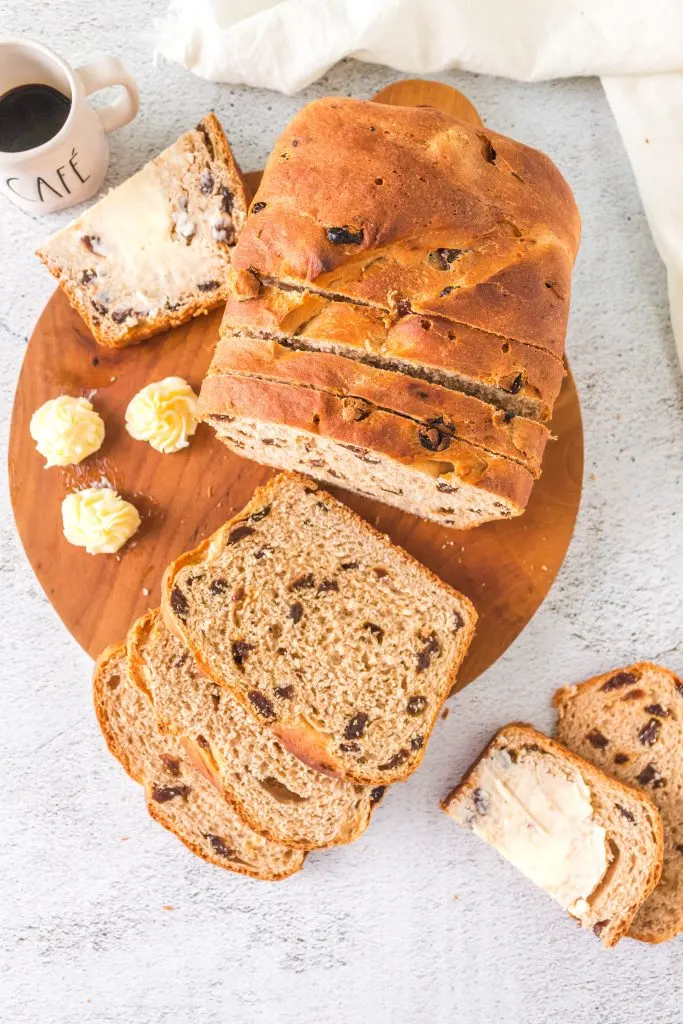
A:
{"x": 178, "y": 797}
{"x": 155, "y": 251}
{"x": 275, "y": 793}
{"x": 364, "y": 388}
{"x": 422, "y": 469}
{"x": 630, "y": 723}
{"x": 325, "y": 631}
{"x": 518, "y": 378}
{"x": 439, "y": 216}
{"x": 591, "y": 842}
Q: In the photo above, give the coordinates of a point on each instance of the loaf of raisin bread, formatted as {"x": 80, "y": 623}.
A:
{"x": 155, "y": 251}
{"x": 438, "y": 216}
{"x": 518, "y": 378}
{"x": 422, "y": 468}
{"x": 178, "y": 797}
{"x": 324, "y": 631}
{"x": 364, "y": 388}
{"x": 276, "y": 794}
{"x": 629, "y": 722}
{"x": 591, "y": 842}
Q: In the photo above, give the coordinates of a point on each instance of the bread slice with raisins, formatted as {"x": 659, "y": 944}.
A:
{"x": 323, "y": 629}
{"x": 276, "y": 794}
{"x": 178, "y": 797}
{"x": 629, "y": 722}
{"x": 591, "y": 842}
{"x": 364, "y": 388}
{"x": 155, "y": 251}
{"x": 521, "y": 379}
{"x": 424, "y": 470}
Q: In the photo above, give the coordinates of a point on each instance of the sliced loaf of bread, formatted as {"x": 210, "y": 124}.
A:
{"x": 276, "y": 794}
{"x": 630, "y": 723}
{"x": 422, "y": 469}
{"x": 522, "y": 379}
{"x": 178, "y": 797}
{"x": 325, "y": 631}
{"x": 365, "y": 388}
{"x": 155, "y": 251}
{"x": 591, "y": 842}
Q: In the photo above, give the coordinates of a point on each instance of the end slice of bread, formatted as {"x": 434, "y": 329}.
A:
{"x": 323, "y": 629}
{"x": 629, "y": 722}
{"x": 155, "y": 251}
{"x": 590, "y": 841}
{"x": 177, "y": 796}
{"x": 274, "y": 792}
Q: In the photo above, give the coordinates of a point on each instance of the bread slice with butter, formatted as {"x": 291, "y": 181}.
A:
{"x": 155, "y": 251}
{"x": 591, "y": 842}
{"x": 630, "y": 723}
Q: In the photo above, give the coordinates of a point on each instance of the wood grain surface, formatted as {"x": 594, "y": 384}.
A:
{"x": 506, "y": 568}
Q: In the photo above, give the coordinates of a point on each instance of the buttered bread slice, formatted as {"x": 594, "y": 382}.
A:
{"x": 327, "y": 633}
{"x": 591, "y": 842}
{"x": 276, "y": 794}
{"x": 155, "y": 251}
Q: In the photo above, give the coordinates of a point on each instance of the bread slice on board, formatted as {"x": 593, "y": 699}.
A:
{"x": 276, "y": 794}
{"x": 438, "y": 216}
{"x": 155, "y": 251}
{"x": 364, "y": 388}
{"x": 178, "y": 797}
{"x": 518, "y": 378}
{"x": 590, "y": 841}
{"x": 630, "y": 723}
{"x": 424, "y": 470}
{"x": 323, "y": 629}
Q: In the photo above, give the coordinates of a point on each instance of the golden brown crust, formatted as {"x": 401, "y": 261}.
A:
{"x": 423, "y": 183}
{"x": 393, "y": 436}
{"x": 112, "y": 335}
{"x": 595, "y": 777}
{"x": 299, "y": 740}
{"x": 361, "y": 386}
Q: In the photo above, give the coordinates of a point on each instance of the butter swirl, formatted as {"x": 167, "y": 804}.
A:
{"x": 164, "y": 414}
{"x": 66, "y": 430}
{"x": 99, "y": 520}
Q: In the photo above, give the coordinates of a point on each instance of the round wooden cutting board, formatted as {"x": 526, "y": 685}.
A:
{"x": 506, "y": 568}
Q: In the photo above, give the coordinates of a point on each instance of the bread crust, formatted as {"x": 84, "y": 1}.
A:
{"x": 300, "y": 737}
{"x": 561, "y": 700}
{"x": 386, "y": 433}
{"x": 530, "y": 734}
{"x": 112, "y": 335}
{"x": 423, "y": 182}
{"x": 202, "y": 759}
{"x": 468, "y": 418}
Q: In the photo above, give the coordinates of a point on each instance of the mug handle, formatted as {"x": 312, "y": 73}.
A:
{"x": 106, "y": 71}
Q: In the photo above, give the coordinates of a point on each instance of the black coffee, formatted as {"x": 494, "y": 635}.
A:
{"x": 31, "y": 115}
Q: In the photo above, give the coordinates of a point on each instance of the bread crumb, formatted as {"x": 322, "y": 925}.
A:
{"x": 445, "y": 713}
{"x": 112, "y": 379}
{"x": 594, "y": 476}
{"x": 455, "y": 899}
{"x": 145, "y": 591}
{"x": 168, "y": 906}
{"x": 124, "y": 839}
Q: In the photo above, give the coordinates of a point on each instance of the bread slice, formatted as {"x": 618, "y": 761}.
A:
{"x": 629, "y": 722}
{"x": 591, "y": 842}
{"x": 438, "y": 216}
{"x": 325, "y": 631}
{"x": 364, "y": 388}
{"x": 275, "y": 793}
{"x": 421, "y": 469}
{"x": 155, "y": 251}
{"x": 177, "y": 796}
{"x": 520, "y": 379}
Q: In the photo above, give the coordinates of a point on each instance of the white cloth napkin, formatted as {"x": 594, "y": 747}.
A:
{"x": 635, "y": 46}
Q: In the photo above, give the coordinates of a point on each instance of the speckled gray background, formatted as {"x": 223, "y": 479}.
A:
{"x": 417, "y": 921}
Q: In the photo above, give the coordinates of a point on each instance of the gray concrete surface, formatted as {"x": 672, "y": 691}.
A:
{"x": 103, "y": 917}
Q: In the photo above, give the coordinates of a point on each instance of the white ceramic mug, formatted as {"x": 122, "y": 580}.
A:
{"x": 70, "y": 167}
